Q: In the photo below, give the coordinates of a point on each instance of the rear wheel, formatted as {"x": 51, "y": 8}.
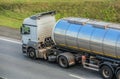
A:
{"x": 31, "y": 53}
{"x": 118, "y": 74}
{"x": 63, "y": 62}
{"x": 106, "y": 72}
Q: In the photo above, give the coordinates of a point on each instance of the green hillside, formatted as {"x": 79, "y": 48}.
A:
{"x": 12, "y": 12}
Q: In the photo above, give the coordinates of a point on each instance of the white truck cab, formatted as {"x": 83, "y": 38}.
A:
{"x": 35, "y": 30}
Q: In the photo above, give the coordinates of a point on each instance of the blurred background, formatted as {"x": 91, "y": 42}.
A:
{"x": 12, "y": 12}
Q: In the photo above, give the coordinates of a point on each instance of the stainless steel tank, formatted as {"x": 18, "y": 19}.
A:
{"x": 88, "y": 35}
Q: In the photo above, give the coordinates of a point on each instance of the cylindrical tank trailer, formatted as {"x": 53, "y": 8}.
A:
{"x": 88, "y": 35}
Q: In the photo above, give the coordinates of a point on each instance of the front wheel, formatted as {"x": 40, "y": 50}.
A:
{"x": 31, "y": 53}
{"x": 106, "y": 72}
{"x": 63, "y": 62}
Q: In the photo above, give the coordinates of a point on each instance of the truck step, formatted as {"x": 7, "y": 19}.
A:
{"x": 91, "y": 66}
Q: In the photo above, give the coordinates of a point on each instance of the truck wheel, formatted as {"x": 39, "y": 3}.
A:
{"x": 31, "y": 53}
{"x": 63, "y": 62}
{"x": 106, "y": 72}
{"x": 118, "y": 74}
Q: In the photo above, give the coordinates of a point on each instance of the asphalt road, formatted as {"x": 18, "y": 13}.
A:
{"x": 14, "y": 65}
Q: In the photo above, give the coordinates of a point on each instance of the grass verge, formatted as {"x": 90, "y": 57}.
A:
{"x": 13, "y": 12}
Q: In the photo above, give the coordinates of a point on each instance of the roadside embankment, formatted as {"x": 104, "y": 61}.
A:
{"x": 10, "y": 32}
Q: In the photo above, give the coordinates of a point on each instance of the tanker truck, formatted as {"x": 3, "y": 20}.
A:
{"x": 91, "y": 43}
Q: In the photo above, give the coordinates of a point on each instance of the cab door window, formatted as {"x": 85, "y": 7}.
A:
{"x": 25, "y": 29}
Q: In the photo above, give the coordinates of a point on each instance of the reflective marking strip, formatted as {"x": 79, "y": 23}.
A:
{"x": 75, "y": 76}
{"x": 98, "y": 52}
{"x": 110, "y": 55}
{"x": 10, "y": 40}
{"x": 87, "y": 50}
{"x": 62, "y": 44}
{"x": 73, "y": 47}
{"x": 84, "y": 49}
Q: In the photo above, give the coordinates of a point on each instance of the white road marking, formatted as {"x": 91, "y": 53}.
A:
{"x": 2, "y": 77}
{"x": 78, "y": 77}
{"x": 10, "y": 40}
{"x": 75, "y": 76}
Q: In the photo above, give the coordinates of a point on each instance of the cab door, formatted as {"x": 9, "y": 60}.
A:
{"x": 29, "y": 33}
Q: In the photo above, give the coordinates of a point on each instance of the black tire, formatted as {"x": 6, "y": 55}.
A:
{"x": 118, "y": 74}
{"x": 106, "y": 72}
{"x": 31, "y": 53}
{"x": 63, "y": 62}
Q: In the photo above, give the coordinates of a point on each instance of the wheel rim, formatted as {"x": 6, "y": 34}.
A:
{"x": 106, "y": 73}
{"x": 118, "y": 75}
{"x": 31, "y": 54}
{"x": 63, "y": 62}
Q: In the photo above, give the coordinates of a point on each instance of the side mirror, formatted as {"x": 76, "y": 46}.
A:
{"x": 21, "y": 30}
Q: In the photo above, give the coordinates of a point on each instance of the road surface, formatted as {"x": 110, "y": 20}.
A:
{"x": 14, "y": 65}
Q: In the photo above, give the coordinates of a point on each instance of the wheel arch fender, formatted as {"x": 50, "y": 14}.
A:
{"x": 109, "y": 64}
{"x": 117, "y": 69}
{"x": 29, "y": 48}
{"x": 32, "y": 44}
{"x": 36, "y": 52}
{"x": 69, "y": 56}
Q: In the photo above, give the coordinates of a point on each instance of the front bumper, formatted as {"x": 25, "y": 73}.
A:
{"x": 24, "y": 48}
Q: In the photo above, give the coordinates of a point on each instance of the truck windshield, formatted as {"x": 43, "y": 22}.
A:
{"x": 25, "y": 29}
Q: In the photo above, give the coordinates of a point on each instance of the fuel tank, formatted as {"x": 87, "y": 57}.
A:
{"x": 92, "y": 36}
